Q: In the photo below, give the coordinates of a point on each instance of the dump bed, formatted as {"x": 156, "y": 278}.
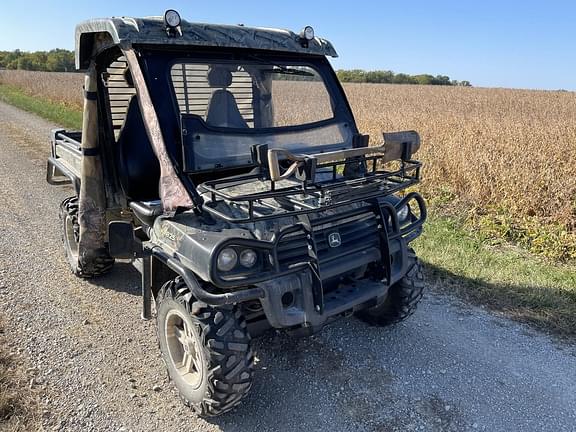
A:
{"x": 64, "y": 163}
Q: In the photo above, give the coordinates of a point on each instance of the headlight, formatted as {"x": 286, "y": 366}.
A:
{"x": 227, "y": 259}
{"x": 248, "y": 258}
{"x": 403, "y": 213}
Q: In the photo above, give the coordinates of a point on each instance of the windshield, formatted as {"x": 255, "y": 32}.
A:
{"x": 251, "y": 94}
{"x": 227, "y": 107}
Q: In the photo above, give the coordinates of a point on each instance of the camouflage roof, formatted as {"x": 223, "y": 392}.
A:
{"x": 126, "y": 31}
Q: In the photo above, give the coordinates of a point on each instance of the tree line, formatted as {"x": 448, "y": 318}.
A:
{"x": 56, "y": 60}
{"x": 61, "y": 60}
{"x": 389, "y": 77}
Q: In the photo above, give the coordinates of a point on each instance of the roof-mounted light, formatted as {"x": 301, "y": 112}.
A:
{"x": 306, "y": 35}
{"x": 171, "y": 18}
{"x": 172, "y": 22}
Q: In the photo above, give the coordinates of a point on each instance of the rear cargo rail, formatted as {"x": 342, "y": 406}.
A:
{"x": 65, "y": 161}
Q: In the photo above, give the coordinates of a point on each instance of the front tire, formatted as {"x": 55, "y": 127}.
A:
{"x": 401, "y": 302}
{"x": 207, "y": 350}
{"x": 98, "y": 263}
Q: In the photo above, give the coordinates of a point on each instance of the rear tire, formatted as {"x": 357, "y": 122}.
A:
{"x": 206, "y": 349}
{"x": 98, "y": 264}
{"x": 401, "y": 301}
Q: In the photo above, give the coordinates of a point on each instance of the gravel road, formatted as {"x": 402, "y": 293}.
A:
{"x": 96, "y": 366}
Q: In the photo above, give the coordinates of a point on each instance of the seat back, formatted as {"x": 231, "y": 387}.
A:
{"x": 222, "y": 111}
{"x": 138, "y": 167}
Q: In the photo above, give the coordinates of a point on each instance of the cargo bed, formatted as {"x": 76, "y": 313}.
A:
{"x": 65, "y": 161}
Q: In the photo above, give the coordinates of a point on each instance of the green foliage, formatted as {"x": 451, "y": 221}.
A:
{"x": 550, "y": 240}
{"x": 506, "y": 279}
{"x": 56, "y": 60}
{"x": 61, "y": 60}
{"x": 497, "y": 226}
{"x": 52, "y": 111}
{"x": 389, "y": 77}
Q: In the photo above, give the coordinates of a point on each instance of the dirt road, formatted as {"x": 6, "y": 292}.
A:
{"x": 96, "y": 365}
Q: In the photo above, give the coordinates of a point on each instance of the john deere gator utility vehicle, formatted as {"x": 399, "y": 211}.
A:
{"x": 224, "y": 161}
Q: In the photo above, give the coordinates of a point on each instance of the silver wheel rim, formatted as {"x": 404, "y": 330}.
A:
{"x": 183, "y": 344}
{"x": 72, "y": 235}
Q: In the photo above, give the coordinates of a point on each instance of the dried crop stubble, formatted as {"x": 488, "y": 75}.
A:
{"x": 512, "y": 149}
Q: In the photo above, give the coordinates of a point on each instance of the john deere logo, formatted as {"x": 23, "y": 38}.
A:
{"x": 334, "y": 239}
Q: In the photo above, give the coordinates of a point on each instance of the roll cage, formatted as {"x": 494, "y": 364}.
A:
{"x": 155, "y": 62}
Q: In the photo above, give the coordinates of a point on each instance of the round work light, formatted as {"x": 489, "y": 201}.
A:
{"x": 172, "y": 18}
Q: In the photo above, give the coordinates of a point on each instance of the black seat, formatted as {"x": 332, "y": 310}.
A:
{"x": 138, "y": 167}
{"x": 147, "y": 211}
{"x": 222, "y": 110}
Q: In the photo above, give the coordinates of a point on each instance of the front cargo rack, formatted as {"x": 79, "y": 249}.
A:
{"x": 325, "y": 189}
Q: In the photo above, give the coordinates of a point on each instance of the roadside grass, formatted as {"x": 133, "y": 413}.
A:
{"x": 503, "y": 278}
{"x": 17, "y": 403}
{"x": 52, "y": 111}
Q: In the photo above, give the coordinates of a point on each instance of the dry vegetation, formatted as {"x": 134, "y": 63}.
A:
{"x": 506, "y": 156}
{"x": 494, "y": 147}
{"x": 502, "y": 158}
{"x": 60, "y": 87}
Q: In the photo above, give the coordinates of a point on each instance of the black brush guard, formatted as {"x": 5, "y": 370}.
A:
{"x": 388, "y": 229}
{"x": 367, "y": 183}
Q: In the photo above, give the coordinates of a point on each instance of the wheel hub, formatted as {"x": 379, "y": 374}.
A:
{"x": 189, "y": 347}
{"x": 183, "y": 342}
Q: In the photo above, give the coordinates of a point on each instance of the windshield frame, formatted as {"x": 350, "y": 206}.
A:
{"x": 157, "y": 63}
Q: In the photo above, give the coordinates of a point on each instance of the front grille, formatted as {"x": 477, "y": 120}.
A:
{"x": 357, "y": 230}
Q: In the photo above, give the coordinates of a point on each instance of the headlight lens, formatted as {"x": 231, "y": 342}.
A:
{"x": 227, "y": 259}
{"x": 248, "y": 258}
{"x": 403, "y": 213}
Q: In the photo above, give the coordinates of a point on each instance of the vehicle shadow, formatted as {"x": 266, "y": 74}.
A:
{"x": 344, "y": 378}
{"x": 299, "y": 383}
{"x": 546, "y": 308}
{"x": 312, "y": 384}
{"x": 123, "y": 278}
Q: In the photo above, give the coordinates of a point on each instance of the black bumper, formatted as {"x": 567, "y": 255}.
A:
{"x": 289, "y": 301}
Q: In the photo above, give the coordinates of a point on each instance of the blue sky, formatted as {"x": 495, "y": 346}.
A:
{"x": 528, "y": 44}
